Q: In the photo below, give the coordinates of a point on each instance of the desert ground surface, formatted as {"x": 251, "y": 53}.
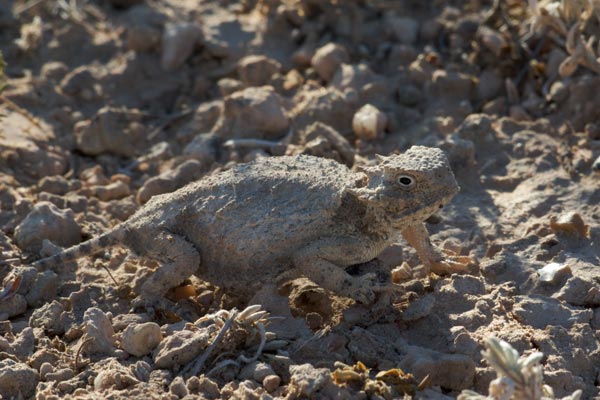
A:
{"x": 106, "y": 103}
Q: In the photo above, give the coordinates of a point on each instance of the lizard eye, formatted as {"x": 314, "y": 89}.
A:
{"x": 405, "y": 181}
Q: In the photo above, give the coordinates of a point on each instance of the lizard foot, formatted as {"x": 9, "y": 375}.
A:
{"x": 451, "y": 263}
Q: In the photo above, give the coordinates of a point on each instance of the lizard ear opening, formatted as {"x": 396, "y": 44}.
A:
{"x": 367, "y": 188}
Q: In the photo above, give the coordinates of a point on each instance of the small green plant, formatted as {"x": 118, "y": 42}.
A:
{"x": 519, "y": 378}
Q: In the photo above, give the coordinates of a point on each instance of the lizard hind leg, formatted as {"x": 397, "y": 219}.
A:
{"x": 178, "y": 259}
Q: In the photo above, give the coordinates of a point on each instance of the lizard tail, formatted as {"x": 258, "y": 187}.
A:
{"x": 86, "y": 248}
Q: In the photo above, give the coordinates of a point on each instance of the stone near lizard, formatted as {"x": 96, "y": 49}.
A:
{"x": 252, "y": 223}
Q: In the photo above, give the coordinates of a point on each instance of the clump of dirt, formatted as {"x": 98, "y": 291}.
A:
{"x": 110, "y": 102}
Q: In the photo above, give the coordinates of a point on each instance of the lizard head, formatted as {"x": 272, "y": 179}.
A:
{"x": 408, "y": 187}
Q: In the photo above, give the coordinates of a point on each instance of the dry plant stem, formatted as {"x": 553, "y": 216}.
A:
{"x": 263, "y": 340}
{"x": 199, "y": 363}
{"x": 110, "y": 275}
{"x": 27, "y": 6}
{"x": 222, "y": 364}
{"x": 83, "y": 343}
{"x": 15, "y": 107}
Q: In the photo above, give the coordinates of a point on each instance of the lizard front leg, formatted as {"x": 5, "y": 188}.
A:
{"x": 324, "y": 261}
{"x": 178, "y": 259}
{"x": 431, "y": 256}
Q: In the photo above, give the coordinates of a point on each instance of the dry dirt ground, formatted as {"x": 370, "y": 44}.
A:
{"x": 108, "y": 102}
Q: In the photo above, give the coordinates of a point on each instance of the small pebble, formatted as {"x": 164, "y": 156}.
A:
{"x": 596, "y": 165}
{"x": 327, "y": 60}
{"x": 570, "y": 223}
{"x": 553, "y": 272}
{"x": 141, "y": 339}
{"x": 271, "y": 382}
{"x": 178, "y": 44}
{"x": 368, "y": 122}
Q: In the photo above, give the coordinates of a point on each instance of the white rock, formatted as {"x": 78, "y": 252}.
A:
{"x": 99, "y": 328}
{"x": 327, "y": 60}
{"x": 141, "y": 339}
{"x": 368, "y": 122}
{"x": 178, "y": 44}
{"x": 552, "y": 272}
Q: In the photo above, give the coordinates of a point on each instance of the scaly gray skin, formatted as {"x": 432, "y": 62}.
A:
{"x": 246, "y": 226}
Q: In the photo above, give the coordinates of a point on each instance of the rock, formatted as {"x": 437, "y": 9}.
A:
{"x": 228, "y": 86}
{"x": 409, "y": 95}
{"x": 419, "y": 308}
{"x": 540, "y": 311}
{"x": 180, "y": 348}
{"x": 308, "y": 380}
{"x": 142, "y": 38}
{"x": 369, "y": 123}
{"x": 579, "y": 292}
{"x": 60, "y": 375}
{"x": 570, "y": 223}
{"x": 17, "y": 380}
{"x": 54, "y": 70}
{"x": 205, "y": 117}
{"x": 24, "y": 345}
{"x": 257, "y": 70}
{"x": 271, "y": 382}
{"x": 204, "y": 386}
{"x": 338, "y": 147}
{"x": 15, "y": 305}
{"x": 48, "y": 318}
{"x": 592, "y": 131}
{"x": 178, "y": 43}
{"x": 24, "y": 146}
{"x": 402, "y": 29}
{"x": 491, "y": 39}
{"x": 112, "y": 191}
{"x": 99, "y": 328}
{"x": 553, "y": 272}
{"x": 329, "y": 106}
{"x": 56, "y": 184}
{"x": 450, "y": 371}
{"x": 45, "y": 356}
{"x": 43, "y": 288}
{"x": 141, "y": 339}
{"x": 46, "y": 221}
{"x": 172, "y": 180}
{"x": 79, "y": 82}
{"x": 596, "y": 165}
{"x": 256, "y": 371}
{"x": 490, "y": 84}
{"x": 327, "y": 60}
{"x": 261, "y": 371}
{"x": 451, "y": 84}
{"x": 114, "y": 375}
{"x": 111, "y": 130}
{"x": 46, "y": 368}
{"x": 255, "y": 112}
{"x": 178, "y": 388}
{"x": 558, "y": 92}
{"x": 359, "y": 81}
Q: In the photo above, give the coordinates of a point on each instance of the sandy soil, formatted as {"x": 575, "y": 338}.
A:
{"x": 109, "y": 102}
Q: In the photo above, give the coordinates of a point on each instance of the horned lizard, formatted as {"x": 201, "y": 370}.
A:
{"x": 249, "y": 224}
